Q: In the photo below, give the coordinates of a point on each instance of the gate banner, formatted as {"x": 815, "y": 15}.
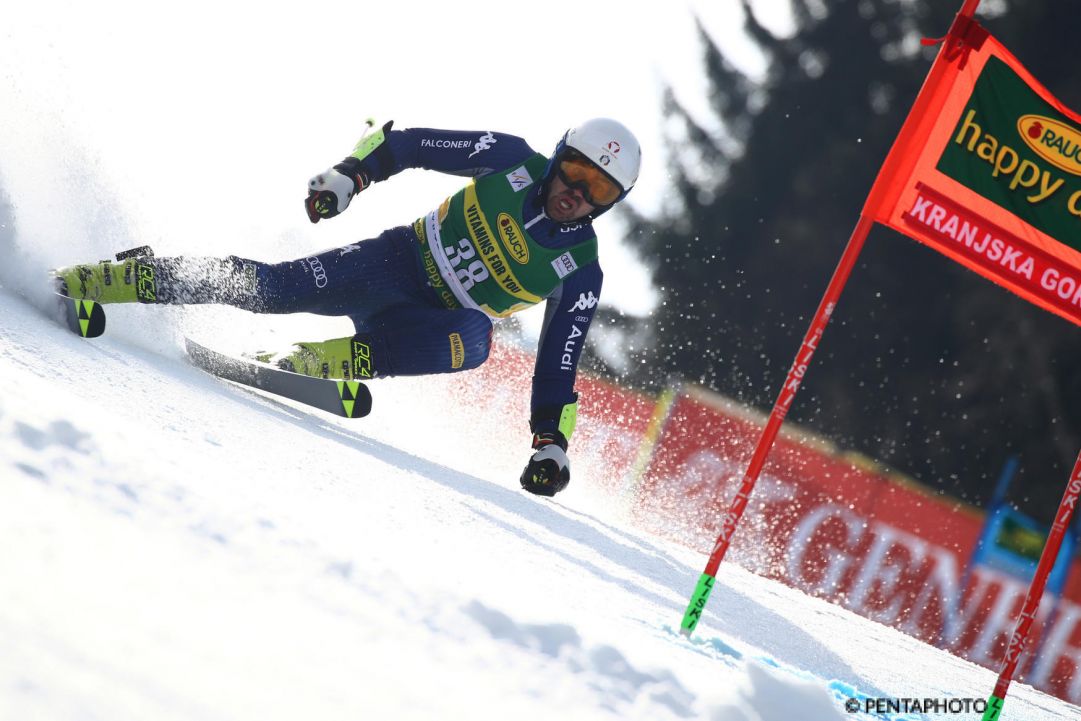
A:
{"x": 987, "y": 170}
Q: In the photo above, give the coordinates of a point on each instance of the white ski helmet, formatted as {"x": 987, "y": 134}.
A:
{"x": 609, "y": 145}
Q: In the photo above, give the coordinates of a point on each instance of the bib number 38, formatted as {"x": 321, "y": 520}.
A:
{"x": 461, "y": 257}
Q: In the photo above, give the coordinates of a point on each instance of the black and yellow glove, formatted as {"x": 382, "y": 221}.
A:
{"x": 549, "y": 470}
{"x": 330, "y": 192}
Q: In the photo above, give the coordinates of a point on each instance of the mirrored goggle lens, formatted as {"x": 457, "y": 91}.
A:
{"x": 598, "y": 187}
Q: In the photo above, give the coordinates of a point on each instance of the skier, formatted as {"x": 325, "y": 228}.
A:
{"x": 422, "y": 296}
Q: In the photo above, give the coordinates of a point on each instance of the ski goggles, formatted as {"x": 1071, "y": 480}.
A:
{"x": 577, "y": 171}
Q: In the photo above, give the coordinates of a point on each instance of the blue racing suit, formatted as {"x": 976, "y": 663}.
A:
{"x": 383, "y": 286}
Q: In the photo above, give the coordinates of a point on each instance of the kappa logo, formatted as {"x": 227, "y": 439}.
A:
{"x": 484, "y": 143}
{"x": 585, "y": 302}
{"x": 519, "y": 179}
{"x": 564, "y": 265}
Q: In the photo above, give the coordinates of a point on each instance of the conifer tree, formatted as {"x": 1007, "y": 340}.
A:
{"x": 925, "y": 365}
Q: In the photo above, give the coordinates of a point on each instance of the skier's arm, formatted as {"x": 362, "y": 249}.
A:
{"x": 387, "y": 152}
{"x": 554, "y": 406}
{"x": 470, "y": 153}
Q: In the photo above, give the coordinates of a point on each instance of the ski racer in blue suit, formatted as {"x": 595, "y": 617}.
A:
{"x": 422, "y": 297}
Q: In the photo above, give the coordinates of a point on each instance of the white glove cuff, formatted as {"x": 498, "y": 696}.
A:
{"x": 341, "y": 185}
{"x": 555, "y": 453}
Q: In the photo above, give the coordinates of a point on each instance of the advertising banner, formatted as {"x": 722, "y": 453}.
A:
{"x": 840, "y": 527}
{"x": 992, "y": 176}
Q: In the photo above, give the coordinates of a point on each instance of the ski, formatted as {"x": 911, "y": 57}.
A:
{"x": 85, "y": 318}
{"x": 349, "y": 399}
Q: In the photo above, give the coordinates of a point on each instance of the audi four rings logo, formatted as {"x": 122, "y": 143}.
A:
{"x": 318, "y": 272}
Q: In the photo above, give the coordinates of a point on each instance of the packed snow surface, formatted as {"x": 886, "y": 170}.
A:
{"x": 177, "y": 547}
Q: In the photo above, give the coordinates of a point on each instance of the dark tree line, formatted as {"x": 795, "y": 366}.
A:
{"x": 925, "y": 365}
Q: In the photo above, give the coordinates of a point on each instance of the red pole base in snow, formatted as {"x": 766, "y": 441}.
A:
{"x": 1039, "y": 581}
{"x": 776, "y": 418}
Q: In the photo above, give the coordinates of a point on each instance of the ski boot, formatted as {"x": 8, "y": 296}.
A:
{"x": 129, "y": 280}
{"x": 339, "y": 358}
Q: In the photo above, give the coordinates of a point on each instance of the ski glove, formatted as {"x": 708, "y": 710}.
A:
{"x": 549, "y": 470}
{"x": 329, "y": 192}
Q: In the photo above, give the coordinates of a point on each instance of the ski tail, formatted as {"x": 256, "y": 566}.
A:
{"x": 345, "y": 398}
{"x": 85, "y": 318}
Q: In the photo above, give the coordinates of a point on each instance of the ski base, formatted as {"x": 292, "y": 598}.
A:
{"x": 84, "y": 318}
{"x": 348, "y": 399}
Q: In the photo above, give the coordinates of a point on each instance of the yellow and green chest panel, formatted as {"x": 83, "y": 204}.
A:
{"x": 483, "y": 248}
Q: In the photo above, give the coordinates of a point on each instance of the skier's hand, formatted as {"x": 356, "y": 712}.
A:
{"x": 549, "y": 470}
{"x": 329, "y": 192}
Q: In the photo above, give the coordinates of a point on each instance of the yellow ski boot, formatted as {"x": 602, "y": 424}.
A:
{"x": 129, "y": 281}
{"x": 339, "y": 358}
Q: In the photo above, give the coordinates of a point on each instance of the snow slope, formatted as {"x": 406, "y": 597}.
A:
{"x": 172, "y": 547}
{"x": 179, "y": 548}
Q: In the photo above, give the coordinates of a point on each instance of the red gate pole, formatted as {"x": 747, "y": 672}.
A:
{"x": 776, "y": 418}
{"x": 969, "y": 8}
{"x": 1035, "y": 593}
{"x": 810, "y": 342}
